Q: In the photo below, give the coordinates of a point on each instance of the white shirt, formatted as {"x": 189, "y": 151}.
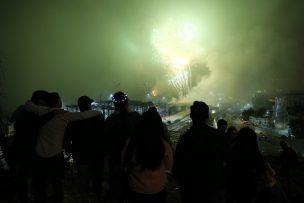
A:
{"x": 50, "y": 139}
{"x": 51, "y": 134}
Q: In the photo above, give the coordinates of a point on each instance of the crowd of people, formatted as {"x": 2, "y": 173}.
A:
{"x": 210, "y": 165}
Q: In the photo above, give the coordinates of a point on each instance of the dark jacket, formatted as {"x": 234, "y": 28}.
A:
{"x": 26, "y": 125}
{"x": 118, "y": 128}
{"x": 199, "y": 157}
{"x": 86, "y": 140}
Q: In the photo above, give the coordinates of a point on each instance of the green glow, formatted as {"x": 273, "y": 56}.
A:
{"x": 177, "y": 45}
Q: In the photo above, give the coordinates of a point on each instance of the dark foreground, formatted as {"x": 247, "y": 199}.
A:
{"x": 71, "y": 188}
{"x": 292, "y": 188}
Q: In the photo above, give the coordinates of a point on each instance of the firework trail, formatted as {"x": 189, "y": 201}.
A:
{"x": 176, "y": 46}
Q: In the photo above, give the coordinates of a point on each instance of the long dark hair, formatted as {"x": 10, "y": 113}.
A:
{"x": 146, "y": 145}
{"x": 246, "y": 150}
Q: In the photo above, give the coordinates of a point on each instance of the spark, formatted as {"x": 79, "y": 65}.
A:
{"x": 176, "y": 46}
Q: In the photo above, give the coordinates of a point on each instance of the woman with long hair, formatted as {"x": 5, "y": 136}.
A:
{"x": 245, "y": 168}
{"x": 147, "y": 157}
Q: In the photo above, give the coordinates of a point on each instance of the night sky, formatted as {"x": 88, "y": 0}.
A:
{"x": 98, "y": 47}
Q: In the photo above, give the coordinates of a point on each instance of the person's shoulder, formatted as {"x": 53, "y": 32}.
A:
{"x": 20, "y": 112}
{"x": 80, "y": 126}
{"x": 165, "y": 142}
{"x": 166, "y": 145}
{"x": 61, "y": 112}
{"x": 94, "y": 121}
{"x": 186, "y": 135}
{"x": 74, "y": 124}
{"x": 19, "y": 109}
{"x": 199, "y": 129}
{"x": 95, "y": 114}
{"x": 112, "y": 117}
{"x": 213, "y": 131}
{"x": 98, "y": 117}
{"x": 134, "y": 114}
{"x": 292, "y": 151}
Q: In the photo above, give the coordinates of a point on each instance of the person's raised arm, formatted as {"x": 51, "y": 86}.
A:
{"x": 74, "y": 116}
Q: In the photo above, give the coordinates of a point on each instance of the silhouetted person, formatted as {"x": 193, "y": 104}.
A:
{"x": 3, "y": 148}
{"x": 147, "y": 157}
{"x": 222, "y": 125}
{"x": 7, "y": 186}
{"x": 231, "y": 135}
{"x": 119, "y": 126}
{"x": 288, "y": 159}
{"x": 246, "y": 168}
{"x": 166, "y": 135}
{"x": 199, "y": 158}
{"x": 26, "y": 125}
{"x": 87, "y": 143}
{"x": 49, "y": 167}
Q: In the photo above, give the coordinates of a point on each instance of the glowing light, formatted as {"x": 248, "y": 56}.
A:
{"x": 176, "y": 46}
{"x": 153, "y": 93}
{"x": 179, "y": 62}
{"x": 187, "y": 32}
{"x": 110, "y": 97}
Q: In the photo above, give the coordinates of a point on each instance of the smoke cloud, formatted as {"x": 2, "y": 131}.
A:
{"x": 98, "y": 47}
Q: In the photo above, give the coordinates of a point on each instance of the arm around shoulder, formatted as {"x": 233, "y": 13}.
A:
{"x": 74, "y": 116}
{"x": 40, "y": 110}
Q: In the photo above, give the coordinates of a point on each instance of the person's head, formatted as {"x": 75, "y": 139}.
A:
{"x": 247, "y": 139}
{"x": 232, "y": 132}
{"x": 222, "y": 125}
{"x": 152, "y": 108}
{"x": 149, "y": 149}
{"x": 284, "y": 145}
{"x": 40, "y": 97}
{"x": 120, "y": 100}
{"x": 84, "y": 103}
{"x": 54, "y": 100}
{"x": 199, "y": 111}
{"x": 151, "y": 122}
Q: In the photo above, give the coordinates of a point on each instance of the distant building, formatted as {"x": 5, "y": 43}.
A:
{"x": 262, "y": 99}
{"x": 294, "y": 103}
{"x": 280, "y": 114}
{"x": 107, "y": 107}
